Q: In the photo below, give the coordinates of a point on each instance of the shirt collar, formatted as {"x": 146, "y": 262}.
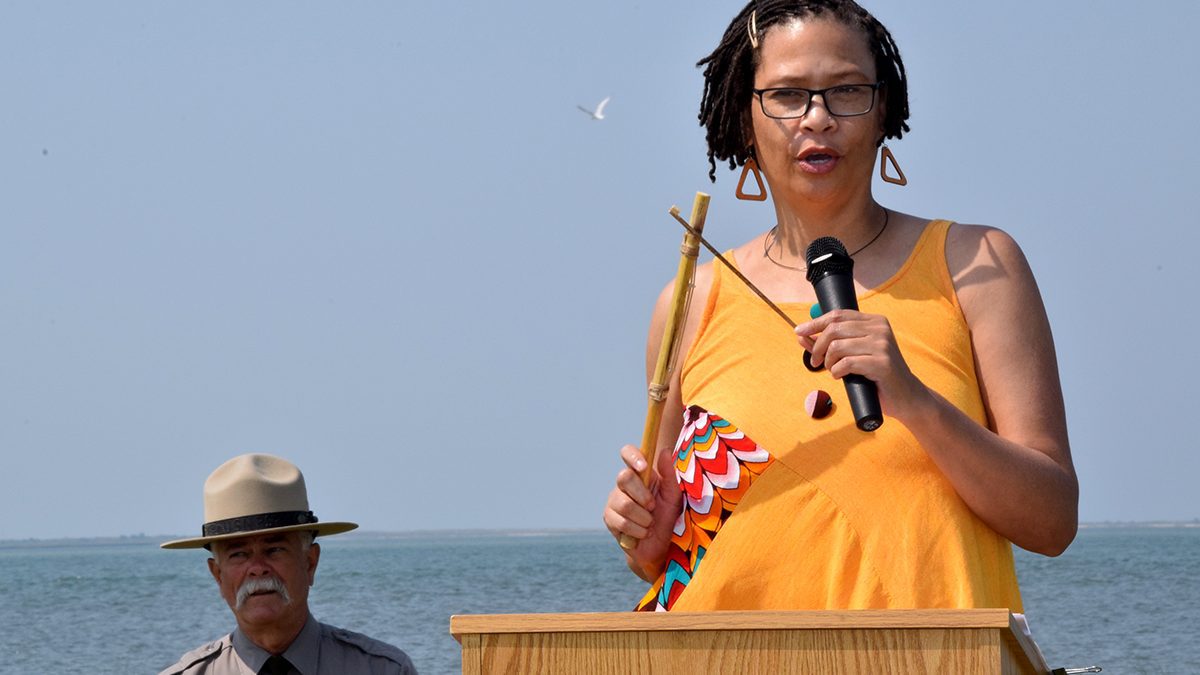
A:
{"x": 304, "y": 652}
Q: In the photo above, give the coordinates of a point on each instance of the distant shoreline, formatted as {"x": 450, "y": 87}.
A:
{"x": 143, "y": 539}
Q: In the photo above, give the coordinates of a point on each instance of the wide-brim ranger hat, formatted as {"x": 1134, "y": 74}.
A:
{"x": 256, "y": 494}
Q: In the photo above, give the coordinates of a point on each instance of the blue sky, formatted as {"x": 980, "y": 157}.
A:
{"x": 379, "y": 239}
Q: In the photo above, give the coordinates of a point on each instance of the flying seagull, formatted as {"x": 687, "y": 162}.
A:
{"x": 598, "y": 113}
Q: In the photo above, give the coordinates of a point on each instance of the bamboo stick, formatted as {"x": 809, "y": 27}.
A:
{"x": 660, "y": 382}
{"x": 717, "y": 255}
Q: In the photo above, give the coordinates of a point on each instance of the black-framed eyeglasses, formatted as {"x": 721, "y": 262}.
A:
{"x": 844, "y": 100}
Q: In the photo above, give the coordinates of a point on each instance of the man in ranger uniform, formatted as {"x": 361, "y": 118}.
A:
{"x": 260, "y": 532}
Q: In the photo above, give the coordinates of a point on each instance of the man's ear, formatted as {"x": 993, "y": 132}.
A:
{"x": 215, "y": 570}
{"x": 314, "y": 557}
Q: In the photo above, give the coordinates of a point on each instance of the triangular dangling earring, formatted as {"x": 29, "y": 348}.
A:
{"x": 751, "y": 167}
{"x": 886, "y": 157}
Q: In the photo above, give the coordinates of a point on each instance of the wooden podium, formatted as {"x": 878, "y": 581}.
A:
{"x": 770, "y": 643}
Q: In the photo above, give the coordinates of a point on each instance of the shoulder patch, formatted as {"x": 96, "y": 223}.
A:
{"x": 372, "y": 646}
{"x": 197, "y": 655}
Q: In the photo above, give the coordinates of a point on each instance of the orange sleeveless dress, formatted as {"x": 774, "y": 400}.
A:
{"x": 785, "y": 511}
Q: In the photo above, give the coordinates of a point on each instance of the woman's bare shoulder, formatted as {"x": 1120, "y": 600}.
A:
{"x": 988, "y": 267}
{"x": 972, "y": 245}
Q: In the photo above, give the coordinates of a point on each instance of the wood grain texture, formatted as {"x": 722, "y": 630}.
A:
{"x": 471, "y": 663}
{"x": 866, "y": 641}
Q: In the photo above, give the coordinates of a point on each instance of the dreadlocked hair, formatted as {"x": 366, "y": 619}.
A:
{"x": 729, "y": 73}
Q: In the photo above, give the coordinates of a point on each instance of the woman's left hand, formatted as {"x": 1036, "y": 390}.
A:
{"x": 848, "y": 341}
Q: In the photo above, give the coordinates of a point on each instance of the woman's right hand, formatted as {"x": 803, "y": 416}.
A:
{"x": 647, "y": 514}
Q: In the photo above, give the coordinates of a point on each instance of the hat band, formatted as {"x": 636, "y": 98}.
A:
{"x": 261, "y": 521}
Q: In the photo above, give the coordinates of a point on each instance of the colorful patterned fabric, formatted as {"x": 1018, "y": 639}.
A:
{"x": 715, "y": 464}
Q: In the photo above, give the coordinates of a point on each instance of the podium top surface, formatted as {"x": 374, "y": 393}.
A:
{"x": 468, "y": 624}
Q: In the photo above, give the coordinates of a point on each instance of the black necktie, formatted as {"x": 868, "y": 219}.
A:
{"x": 276, "y": 665}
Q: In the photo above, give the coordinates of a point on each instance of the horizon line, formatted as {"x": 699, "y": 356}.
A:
{"x": 512, "y": 531}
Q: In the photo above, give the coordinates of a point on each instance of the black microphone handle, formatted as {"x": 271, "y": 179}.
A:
{"x": 864, "y": 402}
{"x": 836, "y": 291}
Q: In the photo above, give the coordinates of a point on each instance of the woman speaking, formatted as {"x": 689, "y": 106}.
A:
{"x": 772, "y": 497}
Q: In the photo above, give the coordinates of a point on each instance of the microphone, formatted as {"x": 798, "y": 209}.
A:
{"x": 831, "y": 272}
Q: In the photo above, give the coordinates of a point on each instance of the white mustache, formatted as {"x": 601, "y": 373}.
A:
{"x": 261, "y": 585}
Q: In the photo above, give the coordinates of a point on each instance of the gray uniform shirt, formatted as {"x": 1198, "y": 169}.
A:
{"x": 318, "y": 650}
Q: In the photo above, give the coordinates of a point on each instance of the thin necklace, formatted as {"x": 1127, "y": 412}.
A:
{"x": 770, "y": 240}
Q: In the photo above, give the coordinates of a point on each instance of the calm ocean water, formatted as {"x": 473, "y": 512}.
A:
{"x": 1125, "y": 598}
